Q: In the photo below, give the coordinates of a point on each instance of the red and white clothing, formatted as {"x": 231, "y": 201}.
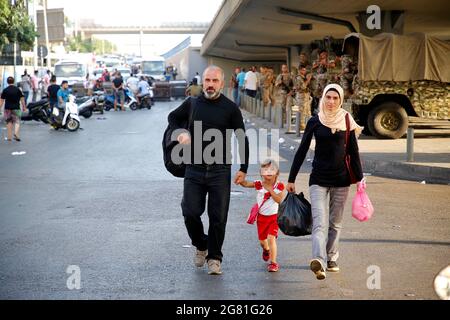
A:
{"x": 266, "y": 221}
{"x": 269, "y": 207}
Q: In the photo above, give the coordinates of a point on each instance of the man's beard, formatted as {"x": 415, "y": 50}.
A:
{"x": 211, "y": 95}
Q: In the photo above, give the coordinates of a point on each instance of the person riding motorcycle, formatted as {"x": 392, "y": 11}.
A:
{"x": 143, "y": 89}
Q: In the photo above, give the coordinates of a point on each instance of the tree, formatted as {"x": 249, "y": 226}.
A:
{"x": 90, "y": 45}
{"x": 15, "y": 25}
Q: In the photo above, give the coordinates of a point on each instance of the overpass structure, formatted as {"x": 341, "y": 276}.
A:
{"x": 266, "y": 30}
{"x": 89, "y": 29}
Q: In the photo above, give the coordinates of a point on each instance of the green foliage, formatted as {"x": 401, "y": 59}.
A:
{"x": 90, "y": 45}
{"x": 15, "y": 25}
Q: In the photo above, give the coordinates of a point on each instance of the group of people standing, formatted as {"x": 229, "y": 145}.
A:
{"x": 300, "y": 86}
{"x": 205, "y": 181}
{"x": 33, "y": 85}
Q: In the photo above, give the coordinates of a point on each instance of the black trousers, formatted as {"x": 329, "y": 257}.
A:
{"x": 251, "y": 93}
{"x": 214, "y": 181}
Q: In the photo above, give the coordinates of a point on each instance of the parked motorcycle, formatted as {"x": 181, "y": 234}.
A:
{"x": 66, "y": 118}
{"x": 38, "y": 111}
{"x": 92, "y": 104}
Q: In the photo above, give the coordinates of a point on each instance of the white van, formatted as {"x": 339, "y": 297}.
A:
{"x": 70, "y": 70}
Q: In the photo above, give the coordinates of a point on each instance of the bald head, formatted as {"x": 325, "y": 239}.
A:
{"x": 213, "y": 82}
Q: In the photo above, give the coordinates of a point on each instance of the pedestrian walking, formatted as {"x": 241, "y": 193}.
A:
{"x": 234, "y": 85}
{"x": 35, "y": 85}
{"x": 330, "y": 179}
{"x": 25, "y": 85}
{"x": 206, "y": 176}
{"x": 11, "y": 99}
{"x": 241, "y": 80}
{"x": 251, "y": 82}
{"x": 269, "y": 194}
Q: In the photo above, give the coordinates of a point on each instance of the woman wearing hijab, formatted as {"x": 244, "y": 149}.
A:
{"x": 329, "y": 181}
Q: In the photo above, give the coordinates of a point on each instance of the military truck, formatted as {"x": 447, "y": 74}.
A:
{"x": 398, "y": 76}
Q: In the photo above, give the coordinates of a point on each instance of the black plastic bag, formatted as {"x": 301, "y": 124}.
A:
{"x": 294, "y": 215}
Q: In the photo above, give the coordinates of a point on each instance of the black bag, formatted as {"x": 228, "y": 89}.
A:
{"x": 176, "y": 170}
{"x": 294, "y": 215}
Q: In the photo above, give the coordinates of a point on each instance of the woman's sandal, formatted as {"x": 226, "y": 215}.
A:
{"x": 16, "y": 138}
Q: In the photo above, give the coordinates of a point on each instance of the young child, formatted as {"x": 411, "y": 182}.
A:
{"x": 269, "y": 193}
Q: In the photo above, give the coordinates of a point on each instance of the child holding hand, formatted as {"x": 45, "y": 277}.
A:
{"x": 269, "y": 194}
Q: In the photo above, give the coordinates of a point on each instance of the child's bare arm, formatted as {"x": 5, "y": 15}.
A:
{"x": 248, "y": 184}
{"x": 278, "y": 198}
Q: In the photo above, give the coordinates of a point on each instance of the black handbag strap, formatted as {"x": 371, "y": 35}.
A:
{"x": 347, "y": 132}
{"x": 191, "y": 111}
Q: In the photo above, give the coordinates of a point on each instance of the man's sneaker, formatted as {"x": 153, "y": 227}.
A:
{"x": 273, "y": 267}
{"x": 214, "y": 267}
{"x": 332, "y": 266}
{"x": 266, "y": 255}
{"x": 200, "y": 258}
{"x": 317, "y": 268}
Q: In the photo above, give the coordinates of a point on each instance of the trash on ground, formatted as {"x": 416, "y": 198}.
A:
{"x": 423, "y": 182}
{"x": 281, "y": 140}
{"x": 186, "y": 246}
{"x": 18, "y": 153}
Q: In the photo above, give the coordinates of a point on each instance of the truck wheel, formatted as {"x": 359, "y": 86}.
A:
{"x": 389, "y": 120}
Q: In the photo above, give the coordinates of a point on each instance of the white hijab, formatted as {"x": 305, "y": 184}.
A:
{"x": 336, "y": 120}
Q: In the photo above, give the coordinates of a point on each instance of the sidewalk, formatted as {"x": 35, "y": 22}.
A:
{"x": 387, "y": 158}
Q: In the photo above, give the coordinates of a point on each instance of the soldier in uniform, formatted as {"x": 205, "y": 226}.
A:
{"x": 321, "y": 72}
{"x": 303, "y": 57}
{"x": 268, "y": 86}
{"x": 284, "y": 85}
{"x": 302, "y": 95}
{"x": 347, "y": 74}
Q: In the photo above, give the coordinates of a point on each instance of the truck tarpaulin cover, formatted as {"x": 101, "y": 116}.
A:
{"x": 389, "y": 57}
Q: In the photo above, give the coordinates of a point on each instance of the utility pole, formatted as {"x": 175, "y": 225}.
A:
{"x": 35, "y": 39}
{"x": 141, "y": 33}
{"x": 47, "y": 43}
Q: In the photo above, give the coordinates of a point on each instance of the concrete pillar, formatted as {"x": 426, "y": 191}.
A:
{"x": 410, "y": 145}
{"x": 297, "y": 123}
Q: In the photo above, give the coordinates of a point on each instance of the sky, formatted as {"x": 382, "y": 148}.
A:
{"x": 140, "y": 12}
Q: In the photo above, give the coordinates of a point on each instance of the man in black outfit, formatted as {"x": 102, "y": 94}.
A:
{"x": 119, "y": 94}
{"x": 11, "y": 98}
{"x": 203, "y": 176}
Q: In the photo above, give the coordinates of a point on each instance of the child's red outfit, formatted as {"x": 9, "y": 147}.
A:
{"x": 266, "y": 221}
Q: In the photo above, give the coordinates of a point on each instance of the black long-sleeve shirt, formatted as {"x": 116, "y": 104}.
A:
{"x": 221, "y": 114}
{"x": 328, "y": 167}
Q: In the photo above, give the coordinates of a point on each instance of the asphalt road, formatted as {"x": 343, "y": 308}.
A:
{"x": 100, "y": 199}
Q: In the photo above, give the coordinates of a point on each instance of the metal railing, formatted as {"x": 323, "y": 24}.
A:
{"x": 269, "y": 112}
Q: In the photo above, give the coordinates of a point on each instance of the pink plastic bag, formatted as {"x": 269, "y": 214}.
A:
{"x": 253, "y": 214}
{"x": 362, "y": 208}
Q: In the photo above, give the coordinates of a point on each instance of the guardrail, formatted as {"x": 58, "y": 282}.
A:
{"x": 269, "y": 112}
